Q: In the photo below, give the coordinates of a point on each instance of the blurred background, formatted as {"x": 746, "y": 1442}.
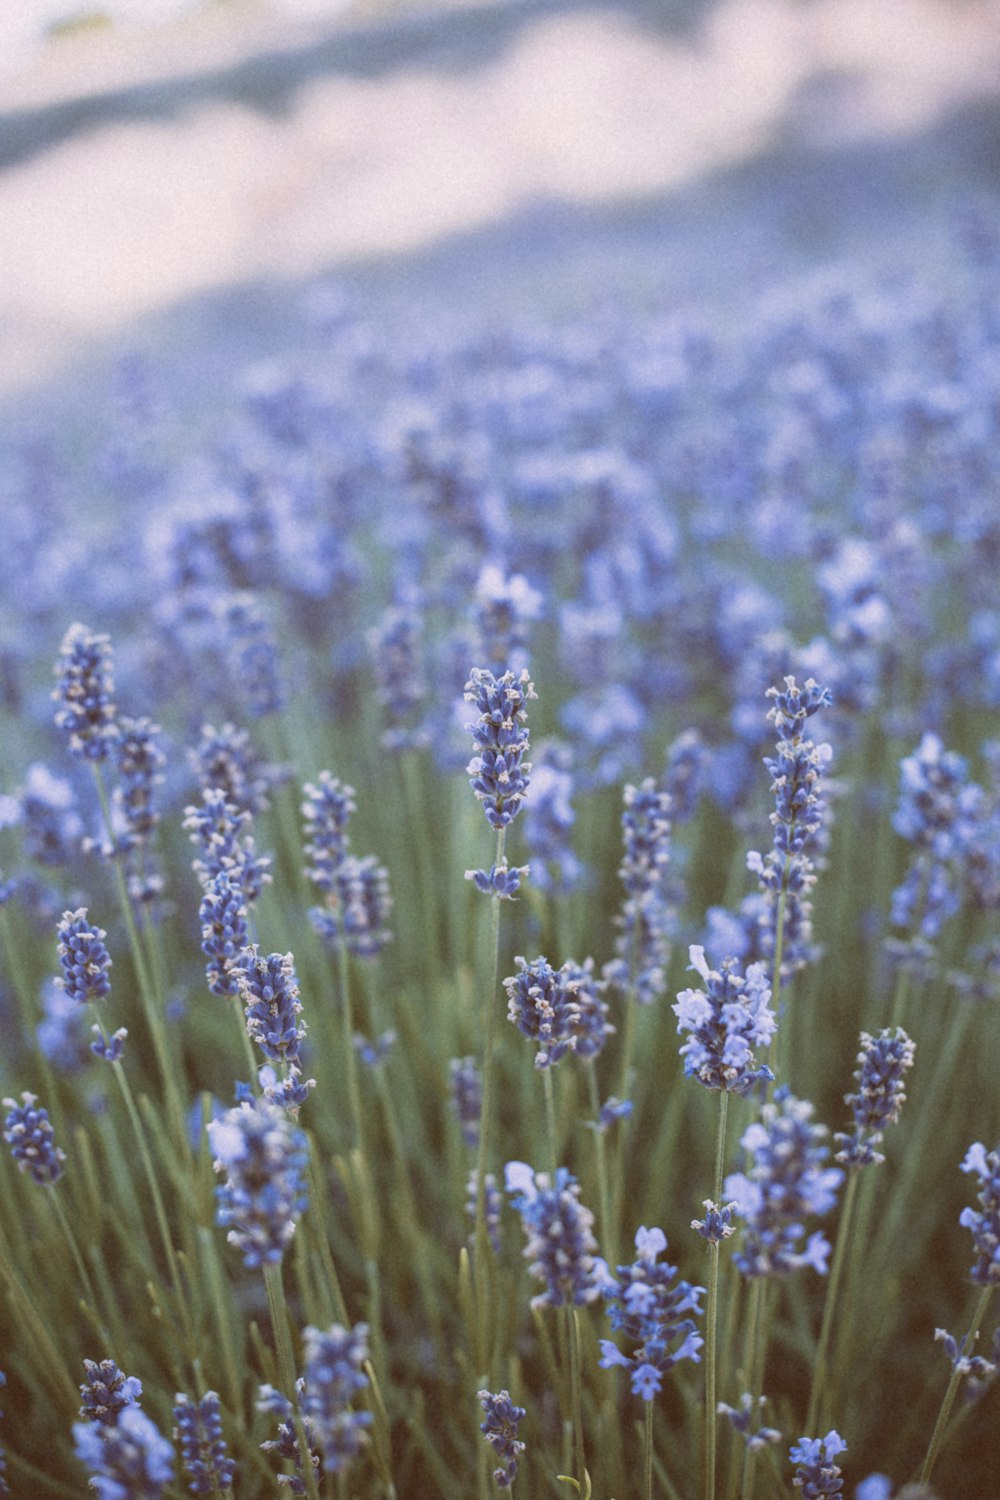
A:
{"x": 174, "y": 173}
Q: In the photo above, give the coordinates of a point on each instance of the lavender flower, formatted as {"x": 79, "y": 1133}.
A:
{"x": 785, "y": 1184}
{"x": 395, "y": 645}
{"x": 727, "y": 1020}
{"x": 976, "y": 1370}
{"x": 28, "y": 1132}
{"x": 561, "y": 1244}
{"x": 541, "y": 1003}
{"x": 359, "y": 908}
{"x": 226, "y": 760}
{"x": 741, "y": 1420}
{"x": 816, "y": 1474}
{"x": 502, "y": 880}
{"x": 255, "y": 655}
{"x": 687, "y": 764}
{"x": 86, "y": 694}
{"x": 504, "y": 608}
{"x": 269, "y": 991}
{"x": 467, "y": 1097}
{"x": 129, "y": 1460}
{"x": 225, "y": 933}
{"x": 591, "y": 1027}
{"x": 787, "y": 871}
{"x": 879, "y": 1097}
{"x": 221, "y": 832}
{"x": 717, "y": 1225}
{"x": 264, "y": 1157}
{"x": 140, "y": 762}
{"x": 326, "y": 811}
{"x": 204, "y": 1456}
{"x": 84, "y": 959}
{"x": 50, "y": 821}
{"x": 641, "y": 946}
{"x": 984, "y": 1225}
{"x": 549, "y": 818}
{"x": 651, "y": 1313}
{"x": 492, "y": 1205}
{"x": 286, "y": 1445}
{"x": 107, "y": 1392}
{"x": 499, "y": 773}
{"x": 332, "y": 1378}
{"x": 500, "y": 1431}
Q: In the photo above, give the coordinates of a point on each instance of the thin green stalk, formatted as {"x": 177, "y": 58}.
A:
{"x": 550, "y": 1121}
{"x": 711, "y": 1320}
{"x": 753, "y": 1364}
{"x": 78, "y": 1260}
{"x": 150, "y": 1001}
{"x": 286, "y": 1367}
{"x": 608, "y": 1236}
{"x": 576, "y": 1392}
{"x": 940, "y": 1426}
{"x": 154, "y": 1190}
{"x": 482, "y": 1249}
{"x": 816, "y": 1404}
{"x": 649, "y": 1450}
{"x": 350, "y": 1058}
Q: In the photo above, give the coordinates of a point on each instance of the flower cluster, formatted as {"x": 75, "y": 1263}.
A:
{"x": 787, "y": 870}
{"x": 269, "y": 991}
{"x": 332, "y": 1378}
{"x": 226, "y": 760}
{"x": 984, "y": 1224}
{"x": 85, "y": 694}
{"x": 225, "y": 932}
{"x": 741, "y": 1419}
{"x": 549, "y": 819}
{"x": 726, "y": 1021}
{"x": 541, "y": 1003}
{"x": 28, "y": 1131}
{"x": 559, "y": 1229}
{"x": 221, "y": 832}
{"x": 500, "y": 1431}
{"x": 467, "y": 1097}
{"x": 642, "y": 946}
{"x": 83, "y": 958}
{"x": 139, "y": 762}
{"x": 395, "y": 646}
{"x": 653, "y": 1314}
{"x": 107, "y": 1391}
{"x": 816, "y": 1474}
{"x": 130, "y": 1458}
{"x": 358, "y": 901}
{"x": 499, "y": 774}
{"x": 879, "y": 1096}
{"x": 264, "y": 1157}
{"x": 203, "y": 1451}
{"x": 786, "y": 1183}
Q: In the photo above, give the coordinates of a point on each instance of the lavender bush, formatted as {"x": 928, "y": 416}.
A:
{"x": 698, "y": 538}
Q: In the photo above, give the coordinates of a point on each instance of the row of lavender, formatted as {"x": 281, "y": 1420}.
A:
{"x": 654, "y": 516}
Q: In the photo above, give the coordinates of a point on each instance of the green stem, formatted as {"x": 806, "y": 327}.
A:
{"x": 286, "y": 1367}
{"x": 830, "y": 1304}
{"x": 150, "y": 1002}
{"x": 74, "y": 1248}
{"x": 482, "y": 1250}
{"x": 608, "y": 1226}
{"x": 350, "y": 1058}
{"x": 649, "y": 1450}
{"x": 937, "y": 1436}
{"x": 576, "y": 1393}
{"x": 754, "y": 1321}
{"x": 550, "y": 1121}
{"x": 711, "y": 1319}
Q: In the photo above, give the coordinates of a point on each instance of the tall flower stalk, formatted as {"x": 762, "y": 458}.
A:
{"x": 499, "y": 777}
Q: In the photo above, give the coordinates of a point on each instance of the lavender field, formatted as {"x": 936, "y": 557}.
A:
{"x": 500, "y": 856}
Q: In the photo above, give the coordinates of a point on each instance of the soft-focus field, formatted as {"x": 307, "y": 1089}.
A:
{"x": 314, "y": 576}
